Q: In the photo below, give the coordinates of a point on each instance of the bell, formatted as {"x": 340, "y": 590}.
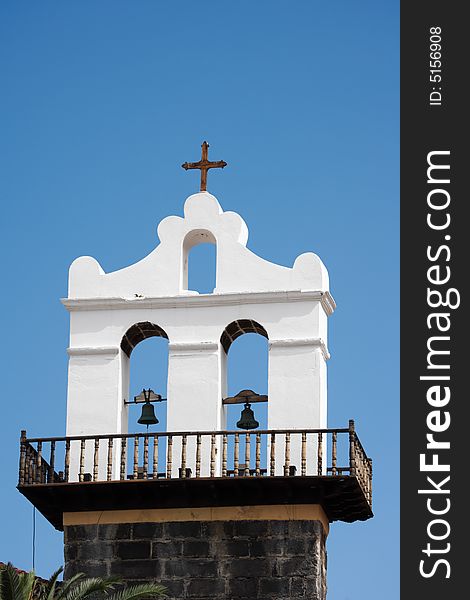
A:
{"x": 148, "y": 415}
{"x": 247, "y": 418}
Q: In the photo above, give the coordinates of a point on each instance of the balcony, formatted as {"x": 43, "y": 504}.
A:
{"x": 195, "y": 469}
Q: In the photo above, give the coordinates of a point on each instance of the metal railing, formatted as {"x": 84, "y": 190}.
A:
{"x": 200, "y": 454}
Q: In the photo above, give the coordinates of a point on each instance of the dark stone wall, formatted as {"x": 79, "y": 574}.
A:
{"x": 233, "y": 560}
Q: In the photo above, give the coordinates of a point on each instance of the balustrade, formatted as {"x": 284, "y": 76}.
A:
{"x": 189, "y": 455}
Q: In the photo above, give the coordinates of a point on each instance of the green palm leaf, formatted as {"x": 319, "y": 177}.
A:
{"x": 14, "y": 585}
{"x": 84, "y": 587}
{"x": 26, "y": 586}
{"x": 10, "y": 586}
{"x": 144, "y": 590}
{"x": 67, "y": 584}
{"x": 50, "y": 587}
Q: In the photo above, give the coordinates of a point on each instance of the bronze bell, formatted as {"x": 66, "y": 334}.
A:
{"x": 148, "y": 415}
{"x": 247, "y": 418}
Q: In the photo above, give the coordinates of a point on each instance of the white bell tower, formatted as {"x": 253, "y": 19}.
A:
{"x": 110, "y": 313}
{"x": 209, "y": 512}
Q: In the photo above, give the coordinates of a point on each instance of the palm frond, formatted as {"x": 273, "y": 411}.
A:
{"x": 144, "y": 590}
{"x": 29, "y": 584}
{"x": 50, "y": 586}
{"x": 83, "y": 589}
{"x": 67, "y": 584}
{"x": 15, "y": 585}
{"x": 11, "y": 584}
{"x": 19, "y": 585}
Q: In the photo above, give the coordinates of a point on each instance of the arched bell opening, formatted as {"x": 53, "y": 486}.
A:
{"x": 144, "y": 391}
{"x": 199, "y": 271}
{"x": 245, "y": 343}
{"x": 148, "y": 370}
{"x": 139, "y": 332}
{"x": 238, "y": 328}
{"x": 145, "y": 367}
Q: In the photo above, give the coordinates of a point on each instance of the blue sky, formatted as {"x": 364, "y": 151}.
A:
{"x": 102, "y": 103}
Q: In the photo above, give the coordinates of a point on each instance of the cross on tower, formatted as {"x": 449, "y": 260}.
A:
{"x": 204, "y": 164}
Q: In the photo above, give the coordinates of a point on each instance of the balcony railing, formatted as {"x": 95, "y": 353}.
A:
{"x": 186, "y": 455}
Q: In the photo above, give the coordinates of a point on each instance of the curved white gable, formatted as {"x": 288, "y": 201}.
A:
{"x": 162, "y": 272}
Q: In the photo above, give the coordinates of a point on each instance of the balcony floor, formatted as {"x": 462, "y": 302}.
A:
{"x": 340, "y": 496}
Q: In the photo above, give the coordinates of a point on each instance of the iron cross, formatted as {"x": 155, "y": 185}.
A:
{"x": 204, "y": 164}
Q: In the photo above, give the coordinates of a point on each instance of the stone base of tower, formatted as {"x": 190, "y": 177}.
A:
{"x": 235, "y": 553}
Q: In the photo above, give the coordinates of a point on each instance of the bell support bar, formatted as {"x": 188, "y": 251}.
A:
{"x": 245, "y": 396}
{"x": 146, "y": 396}
{"x": 241, "y": 398}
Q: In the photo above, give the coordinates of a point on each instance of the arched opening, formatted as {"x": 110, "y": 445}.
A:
{"x": 138, "y": 332}
{"x": 246, "y": 367}
{"x": 200, "y": 262}
{"x": 146, "y": 346}
{"x": 149, "y": 369}
{"x": 238, "y": 328}
{"x": 246, "y": 344}
{"x": 145, "y": 366}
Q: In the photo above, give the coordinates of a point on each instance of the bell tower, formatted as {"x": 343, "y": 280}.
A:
{"x": 211, "y": 513}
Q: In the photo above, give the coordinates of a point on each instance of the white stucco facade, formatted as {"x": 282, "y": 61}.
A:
{"x": 292, "y": 306}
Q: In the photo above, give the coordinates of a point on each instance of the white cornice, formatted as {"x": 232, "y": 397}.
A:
{"x": 202, "y": 300}
{"x": 86, "y": 351}
{"x": 328, "y": 303}
{"x": 183, "y": 347}
{"x": 312, "y": 342}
